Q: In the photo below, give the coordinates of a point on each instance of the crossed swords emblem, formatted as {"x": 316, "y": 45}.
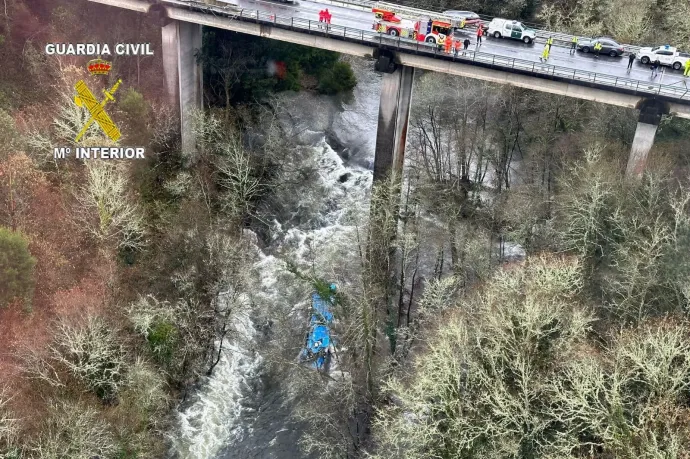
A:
{"x": 86, "y": 98}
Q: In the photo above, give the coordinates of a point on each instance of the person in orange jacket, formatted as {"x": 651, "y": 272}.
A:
{"x": 448, "y": 43}
{"x": 456, "y": 44}
{"x": 321, "y": 16}
{"x": 480, "y": 32}
{"x": 327, "y": 16}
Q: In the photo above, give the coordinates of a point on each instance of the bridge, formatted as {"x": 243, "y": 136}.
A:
{"x": 603, "y": 80}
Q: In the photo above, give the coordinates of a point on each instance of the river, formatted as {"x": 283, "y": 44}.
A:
{"x": 240, "y": 412}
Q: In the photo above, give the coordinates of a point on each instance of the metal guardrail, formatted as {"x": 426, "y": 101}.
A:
{"x": 432, "y": 50}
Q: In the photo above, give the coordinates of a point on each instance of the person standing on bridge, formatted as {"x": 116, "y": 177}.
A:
{"x": 545, "y": 54}
{"x": 549, "y": 41}
{"x": 480, "y": 32}
{"x": 448, "y": 44}
{"x": 573, "y": 45}
{"x": 687, "y": 68}
{"x": 631, "y": 59}
{"x": 456, "y": 46}
{"x": 466, "y": 43}
{"x": 655, "y": 68}
{"x": 327, "y": 16}
{"x": 597, "y": 48}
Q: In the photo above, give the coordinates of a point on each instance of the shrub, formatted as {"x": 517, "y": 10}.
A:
{"x": 162, "y": 338}
{"x": 135, "y": 106}
{"x": 16, "y": 267}
{"x": 338, "y": 79}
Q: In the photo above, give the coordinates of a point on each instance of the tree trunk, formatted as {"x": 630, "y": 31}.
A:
{"x": 227, "y": 101}
{"x": 220, "y": 349}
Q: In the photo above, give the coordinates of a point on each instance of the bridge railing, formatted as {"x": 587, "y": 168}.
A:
{"x": 432, "y": 50}
{"x": 367, "y": 5}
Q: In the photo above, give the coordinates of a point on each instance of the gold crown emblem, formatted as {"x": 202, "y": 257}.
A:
{"x": 98, "y": 67}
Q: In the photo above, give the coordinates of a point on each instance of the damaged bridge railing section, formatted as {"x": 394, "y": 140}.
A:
{"x": 537, "y": 69}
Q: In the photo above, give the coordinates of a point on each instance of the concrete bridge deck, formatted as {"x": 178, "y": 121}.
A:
{"x": 182, "y": 36}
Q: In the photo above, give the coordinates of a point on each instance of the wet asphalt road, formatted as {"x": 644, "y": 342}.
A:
{"x": 560, "y": 56}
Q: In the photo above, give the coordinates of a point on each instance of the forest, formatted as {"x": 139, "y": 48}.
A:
{"x": 510, "y": 295}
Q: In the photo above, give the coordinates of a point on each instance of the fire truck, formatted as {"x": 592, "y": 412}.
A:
{"x": 429, "y": 30}
{"x": 385, "y": 15}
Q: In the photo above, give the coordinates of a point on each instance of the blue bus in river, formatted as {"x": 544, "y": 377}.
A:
{"x": 319, "y": 344}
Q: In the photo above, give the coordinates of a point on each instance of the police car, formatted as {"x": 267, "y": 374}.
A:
{"x": 666, "y": 55}
{"x": 504, "y": 28}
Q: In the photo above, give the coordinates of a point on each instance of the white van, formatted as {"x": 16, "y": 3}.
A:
{"x": 499, "y": 28}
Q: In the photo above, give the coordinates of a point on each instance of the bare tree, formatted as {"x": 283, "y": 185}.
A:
{"x": 479, "y": 386}
{"x": 238, "y": 178}
{"x": 92, "y": 353}
{"x": 9, "y": 428}
{"x": 73, "y": 430}
{"x": 105, "y": 210}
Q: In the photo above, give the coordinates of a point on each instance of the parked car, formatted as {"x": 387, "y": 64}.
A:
{"x": 667, "y": 55}
{"x": 470, "y": 19}
{"x": 500, "y": 28}
{"x": 608, "y": 46}
{"x": 468, "y": 16}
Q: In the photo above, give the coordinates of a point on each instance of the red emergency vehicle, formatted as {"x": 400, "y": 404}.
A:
{"x": 428, "y": 30}
{"x": 385, "y": 15}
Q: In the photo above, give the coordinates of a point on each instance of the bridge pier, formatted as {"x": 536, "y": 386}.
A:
{"x": 183, "y": 76}
{"x": 647, "y": 124}
{"x": 394, "y": 116}
{"x": 384, "y": 257}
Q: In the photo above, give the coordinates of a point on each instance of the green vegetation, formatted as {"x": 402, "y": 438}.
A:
{"x": 138, "y": 114}
{"x": 16, "y": 268}
{"x": 161, "y": 338}
{"x": 240, "y": 68}
{"x": 337, "y": 79}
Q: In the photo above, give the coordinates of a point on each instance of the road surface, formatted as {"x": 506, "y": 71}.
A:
{"x": 560, "y": 56}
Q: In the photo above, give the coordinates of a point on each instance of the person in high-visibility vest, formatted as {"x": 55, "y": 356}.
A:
{"x": 687, "y": 68}
{"x": 456, "y": 45}
{"x": 462, "y": 23}
{"x": 549, "y": 41}
{"x": 545, "y": 54}
{"x": 597, "y": 48}
{"x": 573, "y": 45}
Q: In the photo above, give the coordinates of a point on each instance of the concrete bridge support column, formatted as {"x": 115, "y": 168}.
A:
{"x": 394, "y": 116}
{"x": 183, "y": 76}
{"x": 648, "y": 123}
{"x": 385, "y": 260}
